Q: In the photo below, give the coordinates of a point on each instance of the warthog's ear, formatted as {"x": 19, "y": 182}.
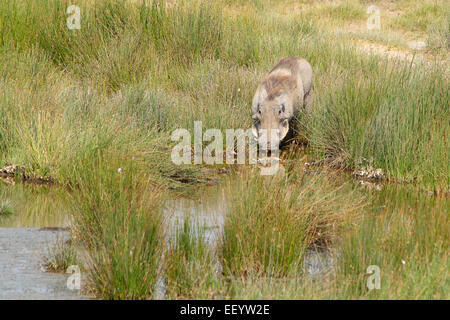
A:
{"x": 284, "y": 128}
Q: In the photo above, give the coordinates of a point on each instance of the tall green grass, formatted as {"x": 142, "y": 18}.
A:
{"x": 187, "y": 32}
{"x": 406, "y": 236}
{"x": 272, "y": 223}
{"x": 342, "y": 11}
{"x": 392, "y": 118}
{"x": 61, "y": 129}
{"x": 121, "y": 227}
{"x": 402, "y": 232}
{"x": 422, "y": 14}
{"x": 78, "y": 105}
{"x": 191, "y": 266}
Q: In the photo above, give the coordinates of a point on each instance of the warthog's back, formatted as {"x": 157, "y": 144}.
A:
{"x": 293, "y": 75}
{"x": 290, "y": 76}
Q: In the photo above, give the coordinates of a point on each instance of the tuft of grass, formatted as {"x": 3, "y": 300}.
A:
{"x": 271, "y": 225}
{"x": 191, "y": 265}
{"x": 5, "y": 208}
{"x": 402, "y": 232}
{"x": 60, "y": 256}
{"x": 122, "y": 229}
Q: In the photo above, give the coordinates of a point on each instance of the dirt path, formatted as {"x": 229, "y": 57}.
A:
{"x": 22, "y": 275}
{"x": 399, "y": 54}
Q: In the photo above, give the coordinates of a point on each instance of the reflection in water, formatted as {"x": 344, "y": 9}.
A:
{"x": 23, "y": 244}
{"x": 206, "y": 212}
{"x": 34, "y": 206}
{"x": 47, "y": 206}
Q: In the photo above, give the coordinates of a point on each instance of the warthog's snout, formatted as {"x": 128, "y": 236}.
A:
{"x": 268, "y": 139}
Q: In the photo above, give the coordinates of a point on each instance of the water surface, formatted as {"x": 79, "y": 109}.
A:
{"x": 48, "y": 206}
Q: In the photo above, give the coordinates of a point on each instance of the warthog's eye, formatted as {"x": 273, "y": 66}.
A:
{"x": 258, "y": 107}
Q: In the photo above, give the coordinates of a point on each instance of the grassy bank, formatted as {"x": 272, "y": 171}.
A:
{"x": 94, "y": 109}
{"x": 407, "y": 236}
{"x": 142, "y": 71}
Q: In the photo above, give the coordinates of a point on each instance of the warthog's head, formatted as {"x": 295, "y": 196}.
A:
{"x": 271, "y": 122}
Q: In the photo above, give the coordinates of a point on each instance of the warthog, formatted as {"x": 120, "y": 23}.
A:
{"x": 285, "y": 90}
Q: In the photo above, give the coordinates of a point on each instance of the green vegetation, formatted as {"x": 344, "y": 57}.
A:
{"x": 388, "y": 116}
{"x": 191, "y": 265}
{"x": 60, "y": 256}
{"x": 422, "y": 15}
{"x": 121, "y": 227}
{"x": 271, "y": 224}
{"x": 402, "y": 232}
{"x": 407, "y": 236}
{"x": 33, "y": 206}
{"x": 343, "y": 11}
{"x": 389, "y": 113}
{"x": 5, "y": 208}
{"x": 94, "y": 109}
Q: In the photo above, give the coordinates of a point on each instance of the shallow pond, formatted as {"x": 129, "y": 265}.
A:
{"x": 44, "y": 206}
{"x": 29, "y": 215}
{"x": 33, "y": 206}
